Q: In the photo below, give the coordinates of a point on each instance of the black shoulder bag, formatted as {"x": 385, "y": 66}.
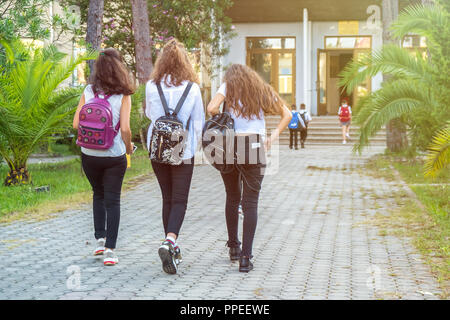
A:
{"x": 218, "y": 141}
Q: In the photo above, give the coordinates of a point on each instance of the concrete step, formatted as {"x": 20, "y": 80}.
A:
{"x": 325, "y": 130}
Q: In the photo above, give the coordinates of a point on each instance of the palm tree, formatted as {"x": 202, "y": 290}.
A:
{"x": 417, "y": 90}
{"x": 32, "y": 106}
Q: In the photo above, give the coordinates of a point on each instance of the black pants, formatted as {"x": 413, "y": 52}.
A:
{"x": 303, "y": 135}
{"x": 293, "y": 133}
{"x": 242, "y": 186}
{"x": 105, "y": 174}
{"x": 175, "y": 182}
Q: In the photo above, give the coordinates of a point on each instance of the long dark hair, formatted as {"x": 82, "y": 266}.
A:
{"x": 111, "y": 75}
{"x": 247, "y": 93}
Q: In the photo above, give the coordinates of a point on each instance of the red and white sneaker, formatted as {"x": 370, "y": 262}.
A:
{"x": 100, "y": 247}
{"x": 111, "y": 258}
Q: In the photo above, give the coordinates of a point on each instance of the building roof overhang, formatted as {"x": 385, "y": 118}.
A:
{"x": 292, "y": 10}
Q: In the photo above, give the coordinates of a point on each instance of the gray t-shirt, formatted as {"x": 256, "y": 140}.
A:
{"x": 118, "y": 148}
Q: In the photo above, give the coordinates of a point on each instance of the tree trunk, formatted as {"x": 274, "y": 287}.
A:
{"x": 94, "y": 26}
{"x": 17, "y": 175}
{"x": 144, "y": 65}
{"x": 141, "y": 32}
{"x": 396, "y": 139}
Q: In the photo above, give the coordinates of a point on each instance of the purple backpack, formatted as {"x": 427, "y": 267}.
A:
{"x": 96, "y": 130}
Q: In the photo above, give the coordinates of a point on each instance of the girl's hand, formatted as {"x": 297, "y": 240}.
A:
{"x": 267, "y": 144}
{"x": 130, "y": 148}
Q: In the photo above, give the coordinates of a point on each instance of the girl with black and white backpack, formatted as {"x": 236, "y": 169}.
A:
{"x": 174, "y": 105}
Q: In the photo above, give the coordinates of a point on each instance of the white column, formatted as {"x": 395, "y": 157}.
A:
{"x": 51, "y": 18}
{"x": 308, "y": 101}
{"x": 305, "y": 57}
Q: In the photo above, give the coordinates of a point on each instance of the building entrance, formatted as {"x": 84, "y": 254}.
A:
{"x": 330, "y": 62}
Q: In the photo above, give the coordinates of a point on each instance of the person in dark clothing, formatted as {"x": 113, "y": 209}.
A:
{"x": 105, "y": 168}
{"x": 248, "y": 98}
{"x": 294, "y": 128}
{"x": 304, "y": 114}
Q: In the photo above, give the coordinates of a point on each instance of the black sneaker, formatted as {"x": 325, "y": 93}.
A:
{"x": 245, "y": 265}
{"x": 235, "y": 254}
{"x": 303, "y": 145}
{"x": 167, "y": 254}
{"x": 235, "y": 250}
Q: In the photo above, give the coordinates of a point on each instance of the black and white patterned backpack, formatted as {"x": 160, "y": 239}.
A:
{"x": 168, "y": 135}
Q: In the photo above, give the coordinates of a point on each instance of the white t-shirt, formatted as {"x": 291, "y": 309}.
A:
{"x": 118, "y": 148}
{"x": 192, "y": 109}
{"x": 306, "y": 113}
{"x": 243, "y": 125}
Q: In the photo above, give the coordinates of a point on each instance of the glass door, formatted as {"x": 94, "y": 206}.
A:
{"x": 262, "y": 64}
{"x": 322, "y": 78}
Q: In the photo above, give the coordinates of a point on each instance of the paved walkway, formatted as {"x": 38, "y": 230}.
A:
{"x": 310, "y": 243}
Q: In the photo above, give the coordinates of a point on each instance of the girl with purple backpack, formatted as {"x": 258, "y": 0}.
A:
{"x": 103, "y": 122}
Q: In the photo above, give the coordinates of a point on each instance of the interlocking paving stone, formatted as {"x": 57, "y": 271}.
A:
{"x": 309, "y": 244}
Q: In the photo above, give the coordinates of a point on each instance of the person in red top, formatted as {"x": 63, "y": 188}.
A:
{"x": 345, "y": 118}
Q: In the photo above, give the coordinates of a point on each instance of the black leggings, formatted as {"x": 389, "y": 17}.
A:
{"x": 242, "y": 186}
{"x": 293, "y": 135}
{"x": 105, "y": 175}
{"x": 175, "y": 182}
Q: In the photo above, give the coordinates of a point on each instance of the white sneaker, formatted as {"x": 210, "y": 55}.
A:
{"x": 111, "y": 258}
{"x": 344, "y": 142}
{"x": 100, "y": 247}
{"x": 347, "y": 135}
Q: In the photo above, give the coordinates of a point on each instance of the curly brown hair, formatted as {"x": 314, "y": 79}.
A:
{"x": 173, "y": 61}
{"x": 247, "y": 93}
{"x": 111, "y": 75}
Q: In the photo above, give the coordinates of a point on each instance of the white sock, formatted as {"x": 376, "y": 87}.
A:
{"x": 172, "y": 240}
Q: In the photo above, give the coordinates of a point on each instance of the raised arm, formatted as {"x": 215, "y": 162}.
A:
{"x": 214, "y": 106}
{"x": 286, "y": 116}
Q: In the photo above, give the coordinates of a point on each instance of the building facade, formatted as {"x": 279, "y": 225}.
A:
{"x": 301, "y": 46}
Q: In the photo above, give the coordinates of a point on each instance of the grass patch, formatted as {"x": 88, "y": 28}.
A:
{"x": 68, "y": 188}
{"x": 425, "y": 221}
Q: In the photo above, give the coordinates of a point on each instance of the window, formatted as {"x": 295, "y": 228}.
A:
{"x": 344, "y": 42}
{"x": 273, "y": 58}
{"x": 271, "y": 43}
{"x": 415, "y": 44}
{"x": 414, "y": 41}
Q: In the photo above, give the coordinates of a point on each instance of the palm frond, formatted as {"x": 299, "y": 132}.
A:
{"x": 32, "y": 104}
{"x": 395, "y": 99}
{"x": 438, "y": 156}
{"x": 422, "y": 20}
{"x": 391, "y": 60}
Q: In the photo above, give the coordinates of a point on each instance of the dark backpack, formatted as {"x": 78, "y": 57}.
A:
{"x": 218, "y": 141}
{"x": 168, "y": 134}
{"x": 303, "y": 126}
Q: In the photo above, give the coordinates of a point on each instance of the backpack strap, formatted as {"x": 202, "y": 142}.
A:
{"x": 183, "y": 98}
{"x": 105, "y": 96}
{"x": 163, "y": 99}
